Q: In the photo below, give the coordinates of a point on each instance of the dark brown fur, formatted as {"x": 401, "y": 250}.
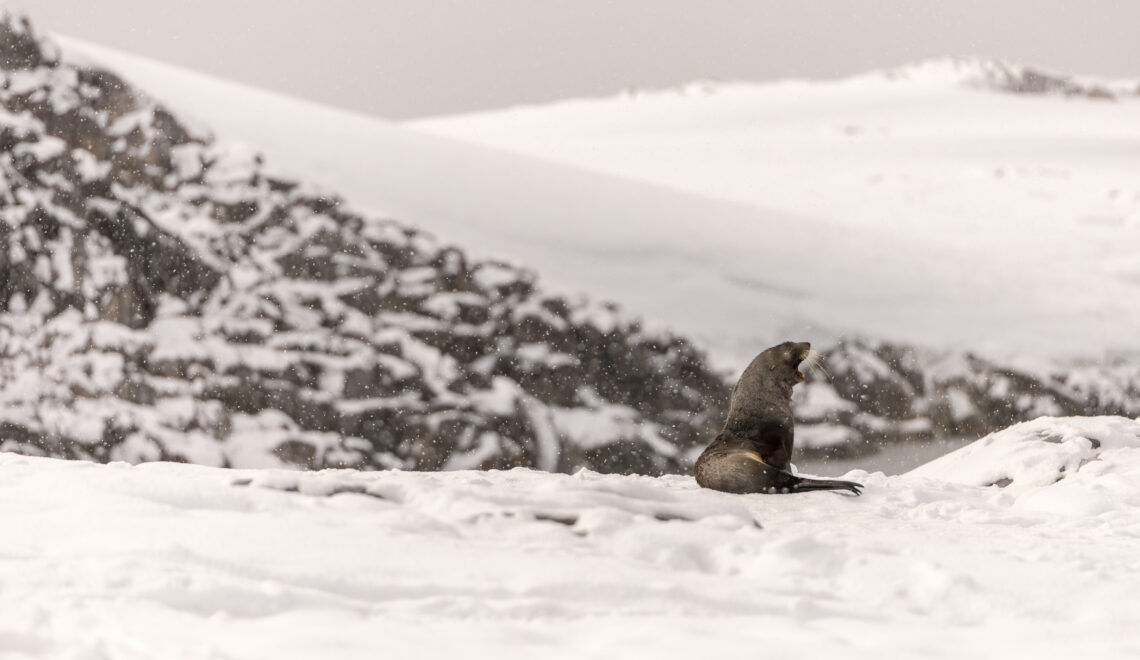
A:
{"x": 753, "y": 452}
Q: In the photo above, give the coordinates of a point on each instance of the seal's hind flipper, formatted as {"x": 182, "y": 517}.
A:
{"x": 803, "y": 485}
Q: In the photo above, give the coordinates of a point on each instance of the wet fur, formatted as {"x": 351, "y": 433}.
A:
{"x": 753, "y": 452}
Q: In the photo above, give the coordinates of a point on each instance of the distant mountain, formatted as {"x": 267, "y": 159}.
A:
{"x": 164, "y": 297}
{"x": 970, "y": 72}
{"x": 999, "y": 75}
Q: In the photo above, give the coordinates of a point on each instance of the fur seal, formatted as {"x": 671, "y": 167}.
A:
{"x": 752, "y": 453}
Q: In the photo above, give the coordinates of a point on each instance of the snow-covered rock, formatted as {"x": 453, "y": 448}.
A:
{"x": 874, "y": 393}
{"x": 1073, "y": 467}
{"x": 165, "y": 296}
{"x": 1065, "y": 454}
{"x": 999, "y": 75}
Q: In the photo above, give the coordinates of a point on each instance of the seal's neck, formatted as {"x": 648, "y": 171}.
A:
{"x": 756, "y": 421}
{"x": 759, "y": 404}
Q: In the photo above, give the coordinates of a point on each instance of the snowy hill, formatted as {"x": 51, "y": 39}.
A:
{"x": 178, "y": 561}
{"x": 742, "y": 218}
{"x": 165, "y": 296}
{"x": 1021, "y": 210}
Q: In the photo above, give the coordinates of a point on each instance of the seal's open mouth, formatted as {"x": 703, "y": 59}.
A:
{"x": 811, "y": 360}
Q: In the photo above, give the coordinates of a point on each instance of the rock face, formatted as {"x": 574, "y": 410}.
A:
{"x": 877, "y": 393}
{"x": 162, "y": 296}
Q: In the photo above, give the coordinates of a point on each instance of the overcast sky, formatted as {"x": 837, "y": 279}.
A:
{"x": 409, "y": 58}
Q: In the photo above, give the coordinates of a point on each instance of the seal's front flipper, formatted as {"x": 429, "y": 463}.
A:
{"x": 803, "y": 485}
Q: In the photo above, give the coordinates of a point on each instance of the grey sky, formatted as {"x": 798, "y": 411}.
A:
{"x": 407, "y": 58}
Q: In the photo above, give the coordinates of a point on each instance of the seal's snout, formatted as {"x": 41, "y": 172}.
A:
{"x": 812, "y": 361}
{"x": 801, "y": 351}
{"x": 803, "y": 354}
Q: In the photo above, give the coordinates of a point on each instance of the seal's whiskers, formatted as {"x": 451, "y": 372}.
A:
{"x": 814, "y": 361}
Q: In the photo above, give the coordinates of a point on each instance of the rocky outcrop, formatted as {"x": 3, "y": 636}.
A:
{"x": 162, "y": 296}
{"x": 876, "y": 393}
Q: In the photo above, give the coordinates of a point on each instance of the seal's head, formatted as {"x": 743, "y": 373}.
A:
{"x": 783, "y": 361}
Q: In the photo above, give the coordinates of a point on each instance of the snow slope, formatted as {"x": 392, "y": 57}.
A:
{"x": 178, "y": 561}
{"x": 1028, "y": 176}
{"x": 734, "y": 276}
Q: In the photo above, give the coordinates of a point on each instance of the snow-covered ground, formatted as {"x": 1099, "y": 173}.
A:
{"x": 828, "y": 232}
{"x": 177, "y": 561}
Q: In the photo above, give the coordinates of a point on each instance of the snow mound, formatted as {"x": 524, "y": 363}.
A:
{"x": 1087, "y": 464}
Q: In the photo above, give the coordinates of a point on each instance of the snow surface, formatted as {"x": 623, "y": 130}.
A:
{"x": 758, "y": 215}
{"x": 173, "y": 561}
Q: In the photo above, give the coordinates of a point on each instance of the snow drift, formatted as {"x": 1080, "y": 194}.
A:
{"x": 1073, "y": 465}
